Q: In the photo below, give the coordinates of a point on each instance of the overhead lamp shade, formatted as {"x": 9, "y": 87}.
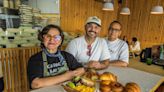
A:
{"x": 108, "y": 6}
{"x": 125, "y": 11}
{"x": 157, "y": 10}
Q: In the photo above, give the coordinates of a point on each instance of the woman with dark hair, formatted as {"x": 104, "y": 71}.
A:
{"x": 135, "y": 46}
{"x": 51, "y": 65}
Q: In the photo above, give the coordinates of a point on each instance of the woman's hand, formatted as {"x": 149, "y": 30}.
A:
{"x": 69, "y": 74}
{"x": 79, "y": 72}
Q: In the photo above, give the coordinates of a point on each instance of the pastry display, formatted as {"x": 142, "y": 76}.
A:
{"x": 107, "y": 82}
{"x": 79, "y": 84}
{"x": 85, "y": 83}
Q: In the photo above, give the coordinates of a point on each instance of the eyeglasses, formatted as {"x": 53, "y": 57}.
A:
{"x": 116, "y": 30}
{"x": 89, "y": 47}
{"x": 55, "y": 37}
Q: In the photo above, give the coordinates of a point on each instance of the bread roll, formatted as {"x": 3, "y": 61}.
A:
{"x": 108, "y": 76}
{"x": 116, "y": 87}
{"x": 105, "y": 82}
{"x": 105, "y": 88}
{"x": 132, "y": 87}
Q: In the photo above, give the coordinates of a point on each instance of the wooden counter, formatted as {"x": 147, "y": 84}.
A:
{"x": 155, "y": 69}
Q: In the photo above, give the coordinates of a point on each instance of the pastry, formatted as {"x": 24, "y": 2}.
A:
{"x": 132, "y": 87}
{"x": 105, "y": 88}
{"x": 116, "y": 87}
{"x": 87, "y": 81}
{"x": 108, "y": 76}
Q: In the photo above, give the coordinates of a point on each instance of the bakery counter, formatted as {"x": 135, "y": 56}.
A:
{"x": 148, "y": 82}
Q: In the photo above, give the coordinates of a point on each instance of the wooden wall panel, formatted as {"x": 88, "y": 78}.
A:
{"x": 75, "y": 12}
{"x": 148, "y": 28}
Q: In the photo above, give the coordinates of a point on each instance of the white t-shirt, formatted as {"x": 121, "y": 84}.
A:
{"x": 136, "y": 46}
{"x": 78, "y": 48}
{"x": 118, "y": 50}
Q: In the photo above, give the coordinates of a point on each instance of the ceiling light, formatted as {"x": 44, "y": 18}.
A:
{"x": 125, "y": 11}
{"x": 108, "y": 6}
{"x": 157, "y": 10}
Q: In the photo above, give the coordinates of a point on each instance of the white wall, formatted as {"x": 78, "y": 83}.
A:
{"x": 46, "y": 6}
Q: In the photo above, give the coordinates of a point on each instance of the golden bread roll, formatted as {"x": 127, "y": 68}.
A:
{"x": 108, "y": 76}
{"x": 132, "y": 87}
{"x": 105, "y": 88}
{"x": 105, "y": 82}
{"x": 116, "y": 87}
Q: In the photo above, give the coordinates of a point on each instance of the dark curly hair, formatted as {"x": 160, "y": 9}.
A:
{"x": 46, "y": 29}
{"x": 134, "y": 39}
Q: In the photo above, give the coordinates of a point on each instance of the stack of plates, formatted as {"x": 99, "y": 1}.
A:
{"x": 36, "y": 16}
{"x": 26, "y": 15}
{"x": 2, "y": 23}
{"x": 54, "y": 20}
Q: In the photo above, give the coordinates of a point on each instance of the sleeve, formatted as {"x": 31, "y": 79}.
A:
{"x": 1, "y": 73}
{"x": 136, "y": 47}
{"x": 34, "y": 69}
{"x": 105, "y": 53}
{"x": 72, "y": 62}
{"x": 72, "y": 48}
{"x": 124, "y": 54}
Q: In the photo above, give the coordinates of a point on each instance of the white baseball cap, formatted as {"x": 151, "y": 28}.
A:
{"x": 94, "y": 19}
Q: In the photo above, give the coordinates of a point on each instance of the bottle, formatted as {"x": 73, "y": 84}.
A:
{"x": 161, "y": 52}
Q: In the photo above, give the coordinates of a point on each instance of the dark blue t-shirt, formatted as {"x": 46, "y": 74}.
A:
{"x": 35, "y": 66}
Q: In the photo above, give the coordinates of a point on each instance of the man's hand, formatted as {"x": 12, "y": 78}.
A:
{"x": 94, "y": 64}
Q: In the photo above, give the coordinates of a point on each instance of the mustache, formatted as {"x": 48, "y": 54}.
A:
{"x": 92, "y": 31}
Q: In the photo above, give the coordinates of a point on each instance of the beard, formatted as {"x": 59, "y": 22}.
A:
{"x": 92, "y": 34}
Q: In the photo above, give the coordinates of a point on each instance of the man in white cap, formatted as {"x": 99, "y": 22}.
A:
{"x": 90, "y": 50}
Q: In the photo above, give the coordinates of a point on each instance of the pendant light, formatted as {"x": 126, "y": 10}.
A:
{"x": 157, "y": 9}
{"x": 108, "y": 5}
{"x": 125, "y": 10}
